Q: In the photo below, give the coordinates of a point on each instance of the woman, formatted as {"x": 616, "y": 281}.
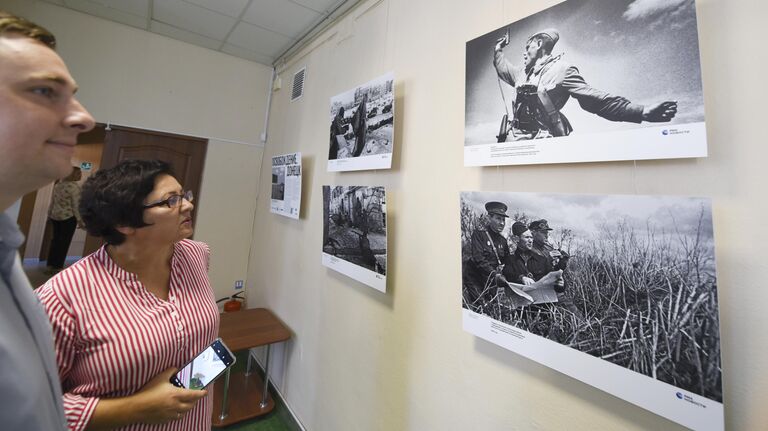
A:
{"x": 126, "y": 317}
{"x": 64, "y": 218}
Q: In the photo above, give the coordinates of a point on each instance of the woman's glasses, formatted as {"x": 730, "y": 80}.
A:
{"x": 173, "y": 201}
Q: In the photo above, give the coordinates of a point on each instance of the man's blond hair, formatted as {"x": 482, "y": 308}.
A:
{"x": 17, "y": 26}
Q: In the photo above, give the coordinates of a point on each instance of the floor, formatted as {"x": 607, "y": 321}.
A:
{"x": 36, "y": 271}
{"x": 270, "y": 422}
{"x": 279, "y": 419}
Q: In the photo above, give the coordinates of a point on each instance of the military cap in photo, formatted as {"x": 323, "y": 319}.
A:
{"x": 496, "y": 208}
{"x": 518, "y": 228}
{"x": 550, "y": 33}
{"x": 539, "y": 225}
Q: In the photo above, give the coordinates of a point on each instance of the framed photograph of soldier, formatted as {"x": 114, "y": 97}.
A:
{"x": 286, "y": 185}
{"x": 362, "y": 126}
{"x": 628, "y": 300}
{"x": 355, "y": 233}
{"x": 585, "y": 81}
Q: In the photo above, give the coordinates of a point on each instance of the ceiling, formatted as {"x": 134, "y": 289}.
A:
{"x": 256, "y": 30}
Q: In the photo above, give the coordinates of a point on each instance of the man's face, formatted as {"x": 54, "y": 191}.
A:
{"x": 39, "y": 116}
{"x": 532, "y": 52}
{"x": 540, "y": 236}
{"x": 496, "y": 222}
{"x": 526, "y": 240}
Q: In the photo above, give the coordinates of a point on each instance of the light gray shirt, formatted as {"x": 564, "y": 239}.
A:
{"x": 30, "y": 392}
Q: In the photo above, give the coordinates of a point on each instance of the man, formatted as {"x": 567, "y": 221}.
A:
{"x": 488, "y": 250}
{"x": 541, "y": 246}
{"x": 338, "y": 129}
{"x": 39, "y": 123}
{"x": 360, "y": 126}
{"x": 525, "y": 266}
{"x": 546, "y": 258}
{"x": 64, "y": 216}
{"x": 546, "y": 82}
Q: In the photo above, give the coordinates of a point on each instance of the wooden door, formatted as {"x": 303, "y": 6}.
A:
{"x": 185, "y": 154}
{"x": 25, "y": 218}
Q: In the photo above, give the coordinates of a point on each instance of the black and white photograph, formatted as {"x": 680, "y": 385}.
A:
{"x": 362, "y": 126}
{"x": 355, "y": 233}
{"x": 587, "y": 80}
{"x": 618, "y": 291}
{"x": 286, "y": 185}
{"x": 278, "y": 183}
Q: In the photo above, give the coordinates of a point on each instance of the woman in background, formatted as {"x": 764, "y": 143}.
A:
{"x": 65, "y": 217}
{"x": 126, "y": 317}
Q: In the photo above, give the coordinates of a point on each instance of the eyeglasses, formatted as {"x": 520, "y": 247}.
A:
{"x": 173, "y": 201}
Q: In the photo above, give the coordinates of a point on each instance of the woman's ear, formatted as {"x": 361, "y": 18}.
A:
{"x": 126, "y": 230}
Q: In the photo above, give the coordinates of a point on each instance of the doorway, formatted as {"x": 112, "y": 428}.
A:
{"x": 104, "y": 147}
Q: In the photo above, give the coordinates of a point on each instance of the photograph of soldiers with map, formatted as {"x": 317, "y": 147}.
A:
{"x": 635, "y": 307}
{"x": 587, "y": 80}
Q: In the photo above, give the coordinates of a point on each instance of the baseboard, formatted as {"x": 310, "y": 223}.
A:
{"x": 281, "y": 407}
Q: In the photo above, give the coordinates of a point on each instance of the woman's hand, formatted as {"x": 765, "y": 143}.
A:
{"x": 157, "y": 402}
{"x": 163, "y": 402}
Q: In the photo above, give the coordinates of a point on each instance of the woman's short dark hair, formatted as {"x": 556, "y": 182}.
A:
{"x": 115, "y": 197}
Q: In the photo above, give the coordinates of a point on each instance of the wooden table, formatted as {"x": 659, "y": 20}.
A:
{"x": 246, "y": 396}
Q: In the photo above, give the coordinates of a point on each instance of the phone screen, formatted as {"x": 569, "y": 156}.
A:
{"x": 208, "y": 365}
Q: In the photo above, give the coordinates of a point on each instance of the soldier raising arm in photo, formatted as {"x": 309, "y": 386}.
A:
{"x": 545, "y": 83}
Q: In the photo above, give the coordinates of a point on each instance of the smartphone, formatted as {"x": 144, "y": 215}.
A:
{"x": 205, "y": 367}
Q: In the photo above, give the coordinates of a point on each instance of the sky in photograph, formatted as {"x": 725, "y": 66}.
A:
{"x": 587, "y": 215}
{"x": 644, "y": 50}
{"x": 348, "y": 96}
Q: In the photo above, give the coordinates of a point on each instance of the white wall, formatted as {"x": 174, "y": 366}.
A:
{"x": 225, "y": 220}
{"x": 136, "y": 78}
{"x": 361, "y": 360}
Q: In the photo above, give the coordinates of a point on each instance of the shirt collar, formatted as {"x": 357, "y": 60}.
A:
{"x": 113, "y": 268}
{"x": 543, "y": 62}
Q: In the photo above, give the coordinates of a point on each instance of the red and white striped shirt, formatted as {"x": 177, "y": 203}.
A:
{"x": 112, "y": 335}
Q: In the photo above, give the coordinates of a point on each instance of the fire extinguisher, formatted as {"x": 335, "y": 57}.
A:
{"x": 234, "y": 302}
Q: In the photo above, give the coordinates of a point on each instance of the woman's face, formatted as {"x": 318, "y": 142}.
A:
{"x": 168, "y": 225}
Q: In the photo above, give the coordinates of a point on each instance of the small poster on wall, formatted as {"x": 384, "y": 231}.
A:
{"x": 587, "y": 80}
{"x": 286, "y": 185}
{"x": 617, "y": 291}
{"x": 355, "y": 233}
{"x": 362, "y": 126}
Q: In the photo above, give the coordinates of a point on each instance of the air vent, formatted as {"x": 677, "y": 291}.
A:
{"x": 298, "y": 84}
